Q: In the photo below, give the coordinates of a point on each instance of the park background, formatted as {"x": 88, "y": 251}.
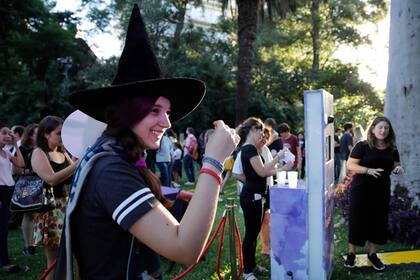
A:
{"x": 256, "y": 61}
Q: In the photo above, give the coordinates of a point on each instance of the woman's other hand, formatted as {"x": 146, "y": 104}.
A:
{"x": 398, "y": 170}
{"x": 287, "y": 166}
{"x": 222, "y": 142}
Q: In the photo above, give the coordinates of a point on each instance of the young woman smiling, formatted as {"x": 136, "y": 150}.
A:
{"x": 112, "y": 206}
{"x": 372, "y": 161}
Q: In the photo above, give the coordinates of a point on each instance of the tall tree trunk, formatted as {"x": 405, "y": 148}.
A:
{"x": 180, "y": 17}
{"x": 402, "y": 103}
{"x": 247, "y": 28}
{"x": 179, "y": 20}
{"x": 315, "y": 34}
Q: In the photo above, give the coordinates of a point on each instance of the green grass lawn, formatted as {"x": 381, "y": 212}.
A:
{"x": 207, "y": 269}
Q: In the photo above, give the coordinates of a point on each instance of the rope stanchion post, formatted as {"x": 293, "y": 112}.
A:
{"x": 230, "y": 211}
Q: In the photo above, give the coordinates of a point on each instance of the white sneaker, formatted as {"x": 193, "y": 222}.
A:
{"x": 189, "y": 183}
{"x": 260, "y": 269}
{"x": 175, "y": 185}
{"x": 249, "y": 276}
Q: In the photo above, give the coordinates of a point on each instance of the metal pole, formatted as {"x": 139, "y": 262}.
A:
{"x": 230, "y": 210}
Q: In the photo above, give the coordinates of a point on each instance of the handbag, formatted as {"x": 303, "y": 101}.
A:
{"x": 30, "y": 195}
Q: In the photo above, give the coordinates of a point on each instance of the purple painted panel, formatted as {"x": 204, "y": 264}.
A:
{"x": 288, "y": 231}
{"x": 169, "y": 193}
{"x": 329, "y": 219}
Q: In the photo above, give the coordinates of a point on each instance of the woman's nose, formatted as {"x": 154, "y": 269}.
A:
{"x": 165, "y": 122}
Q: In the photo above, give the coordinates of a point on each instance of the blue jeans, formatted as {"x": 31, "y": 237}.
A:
{"x": 337, "y": 166}
{"x": 189, "y": 167}
{"x": 6, "y": 193}
{"x": 165, "y": 176}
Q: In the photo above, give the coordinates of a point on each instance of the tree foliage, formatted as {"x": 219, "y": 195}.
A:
{"x": 35, "y": 55}
{"x": 286, "y": 57}
{"x": 35, "y": 38}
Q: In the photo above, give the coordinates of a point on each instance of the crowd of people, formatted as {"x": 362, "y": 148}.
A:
{"x": 38, "y": 149}
{"x": 109, "y": 204}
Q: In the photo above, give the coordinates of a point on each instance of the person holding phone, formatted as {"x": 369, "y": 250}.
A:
{"x": 113, "y": 207}
{"x": 7, "y": 183}
{"x": 254, "y": 190}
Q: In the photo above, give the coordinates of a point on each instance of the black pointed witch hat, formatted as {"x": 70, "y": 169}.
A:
{"x": 139, "y": 75}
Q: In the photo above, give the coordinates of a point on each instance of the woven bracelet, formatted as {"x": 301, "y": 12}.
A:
{"x": 217, "y": 164}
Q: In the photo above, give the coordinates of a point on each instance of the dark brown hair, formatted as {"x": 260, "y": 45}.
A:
{"x": 347, "y": 126}
{"x": 245, "y": 127}
{"x": 389, "y": 140}
{"x": 19, "y": 129}
{"x": 29, "y": 131}
{"x": 46, "y": 126}
{"x": 121, "y": 117}
{"x": 284, "y": 127}
{"x": 271, "y": 122}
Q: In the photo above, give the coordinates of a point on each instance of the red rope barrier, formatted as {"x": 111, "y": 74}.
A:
{"x": 221, "y": 224}
{"x": 185, "y": 272}
{"x": 238, "y": 236}
{"x": 48, "y": 271}
{"x": 219, "y": 251}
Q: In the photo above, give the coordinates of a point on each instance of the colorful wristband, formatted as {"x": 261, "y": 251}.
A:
{"x": 217, "y": 164}
{"x": 213, "y": 174}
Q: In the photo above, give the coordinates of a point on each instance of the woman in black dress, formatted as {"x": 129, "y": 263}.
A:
{"x": 372, "y": 161}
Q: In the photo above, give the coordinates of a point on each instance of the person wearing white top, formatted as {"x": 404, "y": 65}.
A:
{"x": 238, "y": 173}
{"x": 176, "y": 164}
{"x": 240, "y": 178}
{"x": 7, "y": 161}
{"x": 189, "y": 144}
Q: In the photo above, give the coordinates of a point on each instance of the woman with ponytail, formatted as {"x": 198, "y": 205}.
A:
{"x": 254, "y": 191}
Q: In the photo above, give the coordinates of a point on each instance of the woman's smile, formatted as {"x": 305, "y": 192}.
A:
{"x": 151, "y": 129}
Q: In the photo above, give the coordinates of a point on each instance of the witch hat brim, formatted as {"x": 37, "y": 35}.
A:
{"x": 139, "y": 75}
{"x": 185, "y": 94}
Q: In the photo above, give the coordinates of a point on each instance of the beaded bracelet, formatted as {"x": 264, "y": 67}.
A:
{"x": 217, "y": 164}
{"x": 213, "y": 174}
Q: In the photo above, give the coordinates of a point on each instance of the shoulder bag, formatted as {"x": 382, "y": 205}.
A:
{"x": 30, "y": 195}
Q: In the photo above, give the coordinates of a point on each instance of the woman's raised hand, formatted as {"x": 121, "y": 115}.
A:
{"x": 281, "y": 154}
{"x": 222, "y": 142}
